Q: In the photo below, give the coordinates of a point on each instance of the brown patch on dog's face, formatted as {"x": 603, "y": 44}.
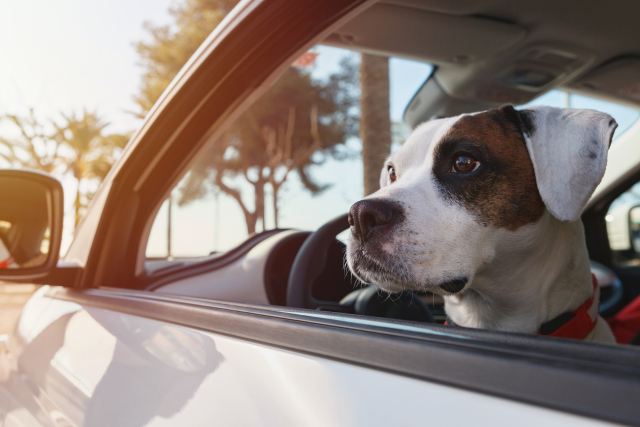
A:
{"x": 502, "y": 190}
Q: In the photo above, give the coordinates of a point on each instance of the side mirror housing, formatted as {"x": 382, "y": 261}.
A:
{"x": 31, "y": 212}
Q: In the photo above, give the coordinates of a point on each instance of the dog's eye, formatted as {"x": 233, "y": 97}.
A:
{"x": 392, "y": 173}
{"x": 464, "y": 163}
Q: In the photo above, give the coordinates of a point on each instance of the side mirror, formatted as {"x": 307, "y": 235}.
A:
{"x": 31, "y": 212}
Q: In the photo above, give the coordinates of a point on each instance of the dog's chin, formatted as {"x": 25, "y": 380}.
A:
{"x": 393, "y": 276}
{"x": 378, "y": 268}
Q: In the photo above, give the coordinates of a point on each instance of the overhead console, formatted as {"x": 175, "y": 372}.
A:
{"x": 517, "y": 77}
{"x": 508, "y": 79}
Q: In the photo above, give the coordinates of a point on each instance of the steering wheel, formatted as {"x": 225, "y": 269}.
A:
{"x": 370, "y": 301}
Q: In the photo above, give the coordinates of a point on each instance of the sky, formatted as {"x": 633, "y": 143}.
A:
{"x": 67, "y": 55}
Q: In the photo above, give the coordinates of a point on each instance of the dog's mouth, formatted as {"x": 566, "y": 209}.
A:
{"x": 380, "y": 270}
{"x": 387, "y": 273}
{"x": 454, "y": 286}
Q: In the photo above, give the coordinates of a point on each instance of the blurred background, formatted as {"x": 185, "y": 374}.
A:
{"x": 76, "y": 80}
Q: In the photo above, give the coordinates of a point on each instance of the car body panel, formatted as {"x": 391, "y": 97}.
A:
{"x": 105, "y": 368}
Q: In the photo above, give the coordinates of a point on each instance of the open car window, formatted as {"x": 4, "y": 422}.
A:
{"x": 293, "y": 160}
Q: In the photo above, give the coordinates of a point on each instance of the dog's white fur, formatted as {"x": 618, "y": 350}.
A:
{"x": 519, "y": 279}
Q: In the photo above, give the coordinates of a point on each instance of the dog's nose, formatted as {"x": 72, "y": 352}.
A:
{"x": 366, "y": 215}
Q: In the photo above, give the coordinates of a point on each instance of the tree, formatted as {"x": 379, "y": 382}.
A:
{"x": 77, "y": 145}
{"x": 375, "y": 123}
{"x": 34, "y": 148}
{"x": 279, "y": 134}
{"x": 172, "y": 45}
{"x": 92, "y": 153}
{"x": 298, "y": 117}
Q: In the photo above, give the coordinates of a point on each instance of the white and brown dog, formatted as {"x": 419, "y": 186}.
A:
{"x": 484, "y": 209}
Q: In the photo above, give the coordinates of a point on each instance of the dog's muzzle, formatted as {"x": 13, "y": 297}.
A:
{"x": 372, "y": 217}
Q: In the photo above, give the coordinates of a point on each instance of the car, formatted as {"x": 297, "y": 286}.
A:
{"x": 171, "y": 307}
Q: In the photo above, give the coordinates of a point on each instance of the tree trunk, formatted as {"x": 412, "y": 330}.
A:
{"x": 77, "y": 205}
{"x": 375, "y": 123}
{"x": 275, "y": 187}
{"x": 259, "y": 203}
{"x": 250, "y": 218}
{"x": 77, "y": 174}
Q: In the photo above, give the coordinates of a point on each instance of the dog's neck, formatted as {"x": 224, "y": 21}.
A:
{"x": 537, "y": 273}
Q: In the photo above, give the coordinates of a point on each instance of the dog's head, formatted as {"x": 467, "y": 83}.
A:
{"x": 458, "y": 183}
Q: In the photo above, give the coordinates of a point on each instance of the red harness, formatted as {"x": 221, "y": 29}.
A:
{"x": 6, "y": 263}
{"x": 576, "y": 324}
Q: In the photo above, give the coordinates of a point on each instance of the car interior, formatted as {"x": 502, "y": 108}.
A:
{"x": 484, "y": 55}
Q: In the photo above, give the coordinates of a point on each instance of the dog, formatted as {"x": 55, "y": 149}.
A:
{"x": 484, "y": 209}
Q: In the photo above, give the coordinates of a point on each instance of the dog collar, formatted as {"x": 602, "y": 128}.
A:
{"x": 576, "y": 324}
{"x": 6, "y": 263}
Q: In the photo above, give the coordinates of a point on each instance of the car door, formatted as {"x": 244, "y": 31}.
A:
{"x": 103, "y": 358}
{"x": 105, "y": 350}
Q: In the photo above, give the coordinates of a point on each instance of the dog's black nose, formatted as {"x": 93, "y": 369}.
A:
{"x": 366, "y": 215}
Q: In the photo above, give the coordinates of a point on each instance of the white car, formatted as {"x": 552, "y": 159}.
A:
{"x": 158, "y": 315}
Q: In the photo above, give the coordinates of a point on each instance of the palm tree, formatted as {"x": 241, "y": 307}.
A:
{"x": 34, "y": 148}
{"x": 92, "y": 152}
{"x": 77, "y": 145}
{"x": 375, "y": 123}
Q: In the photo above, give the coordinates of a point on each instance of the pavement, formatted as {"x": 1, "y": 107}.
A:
{"x": 12, "y": 299}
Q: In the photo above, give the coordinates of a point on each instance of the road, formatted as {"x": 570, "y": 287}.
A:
{"x": 12, "y": 298}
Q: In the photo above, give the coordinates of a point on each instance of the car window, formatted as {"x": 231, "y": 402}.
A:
{"x": 292, "y": 160}
{"x": 623, "y": 228}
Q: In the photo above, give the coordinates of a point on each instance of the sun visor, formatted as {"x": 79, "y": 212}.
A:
{"x": 392, "y": 30}
{"x": 619, "y": 79}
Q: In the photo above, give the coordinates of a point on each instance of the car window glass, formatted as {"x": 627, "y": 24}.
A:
{"x": 291, "y": 161}
{"x": 623, "y": 227}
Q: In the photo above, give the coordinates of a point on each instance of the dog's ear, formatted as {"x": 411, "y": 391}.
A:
{"x": 568, "y": 148}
